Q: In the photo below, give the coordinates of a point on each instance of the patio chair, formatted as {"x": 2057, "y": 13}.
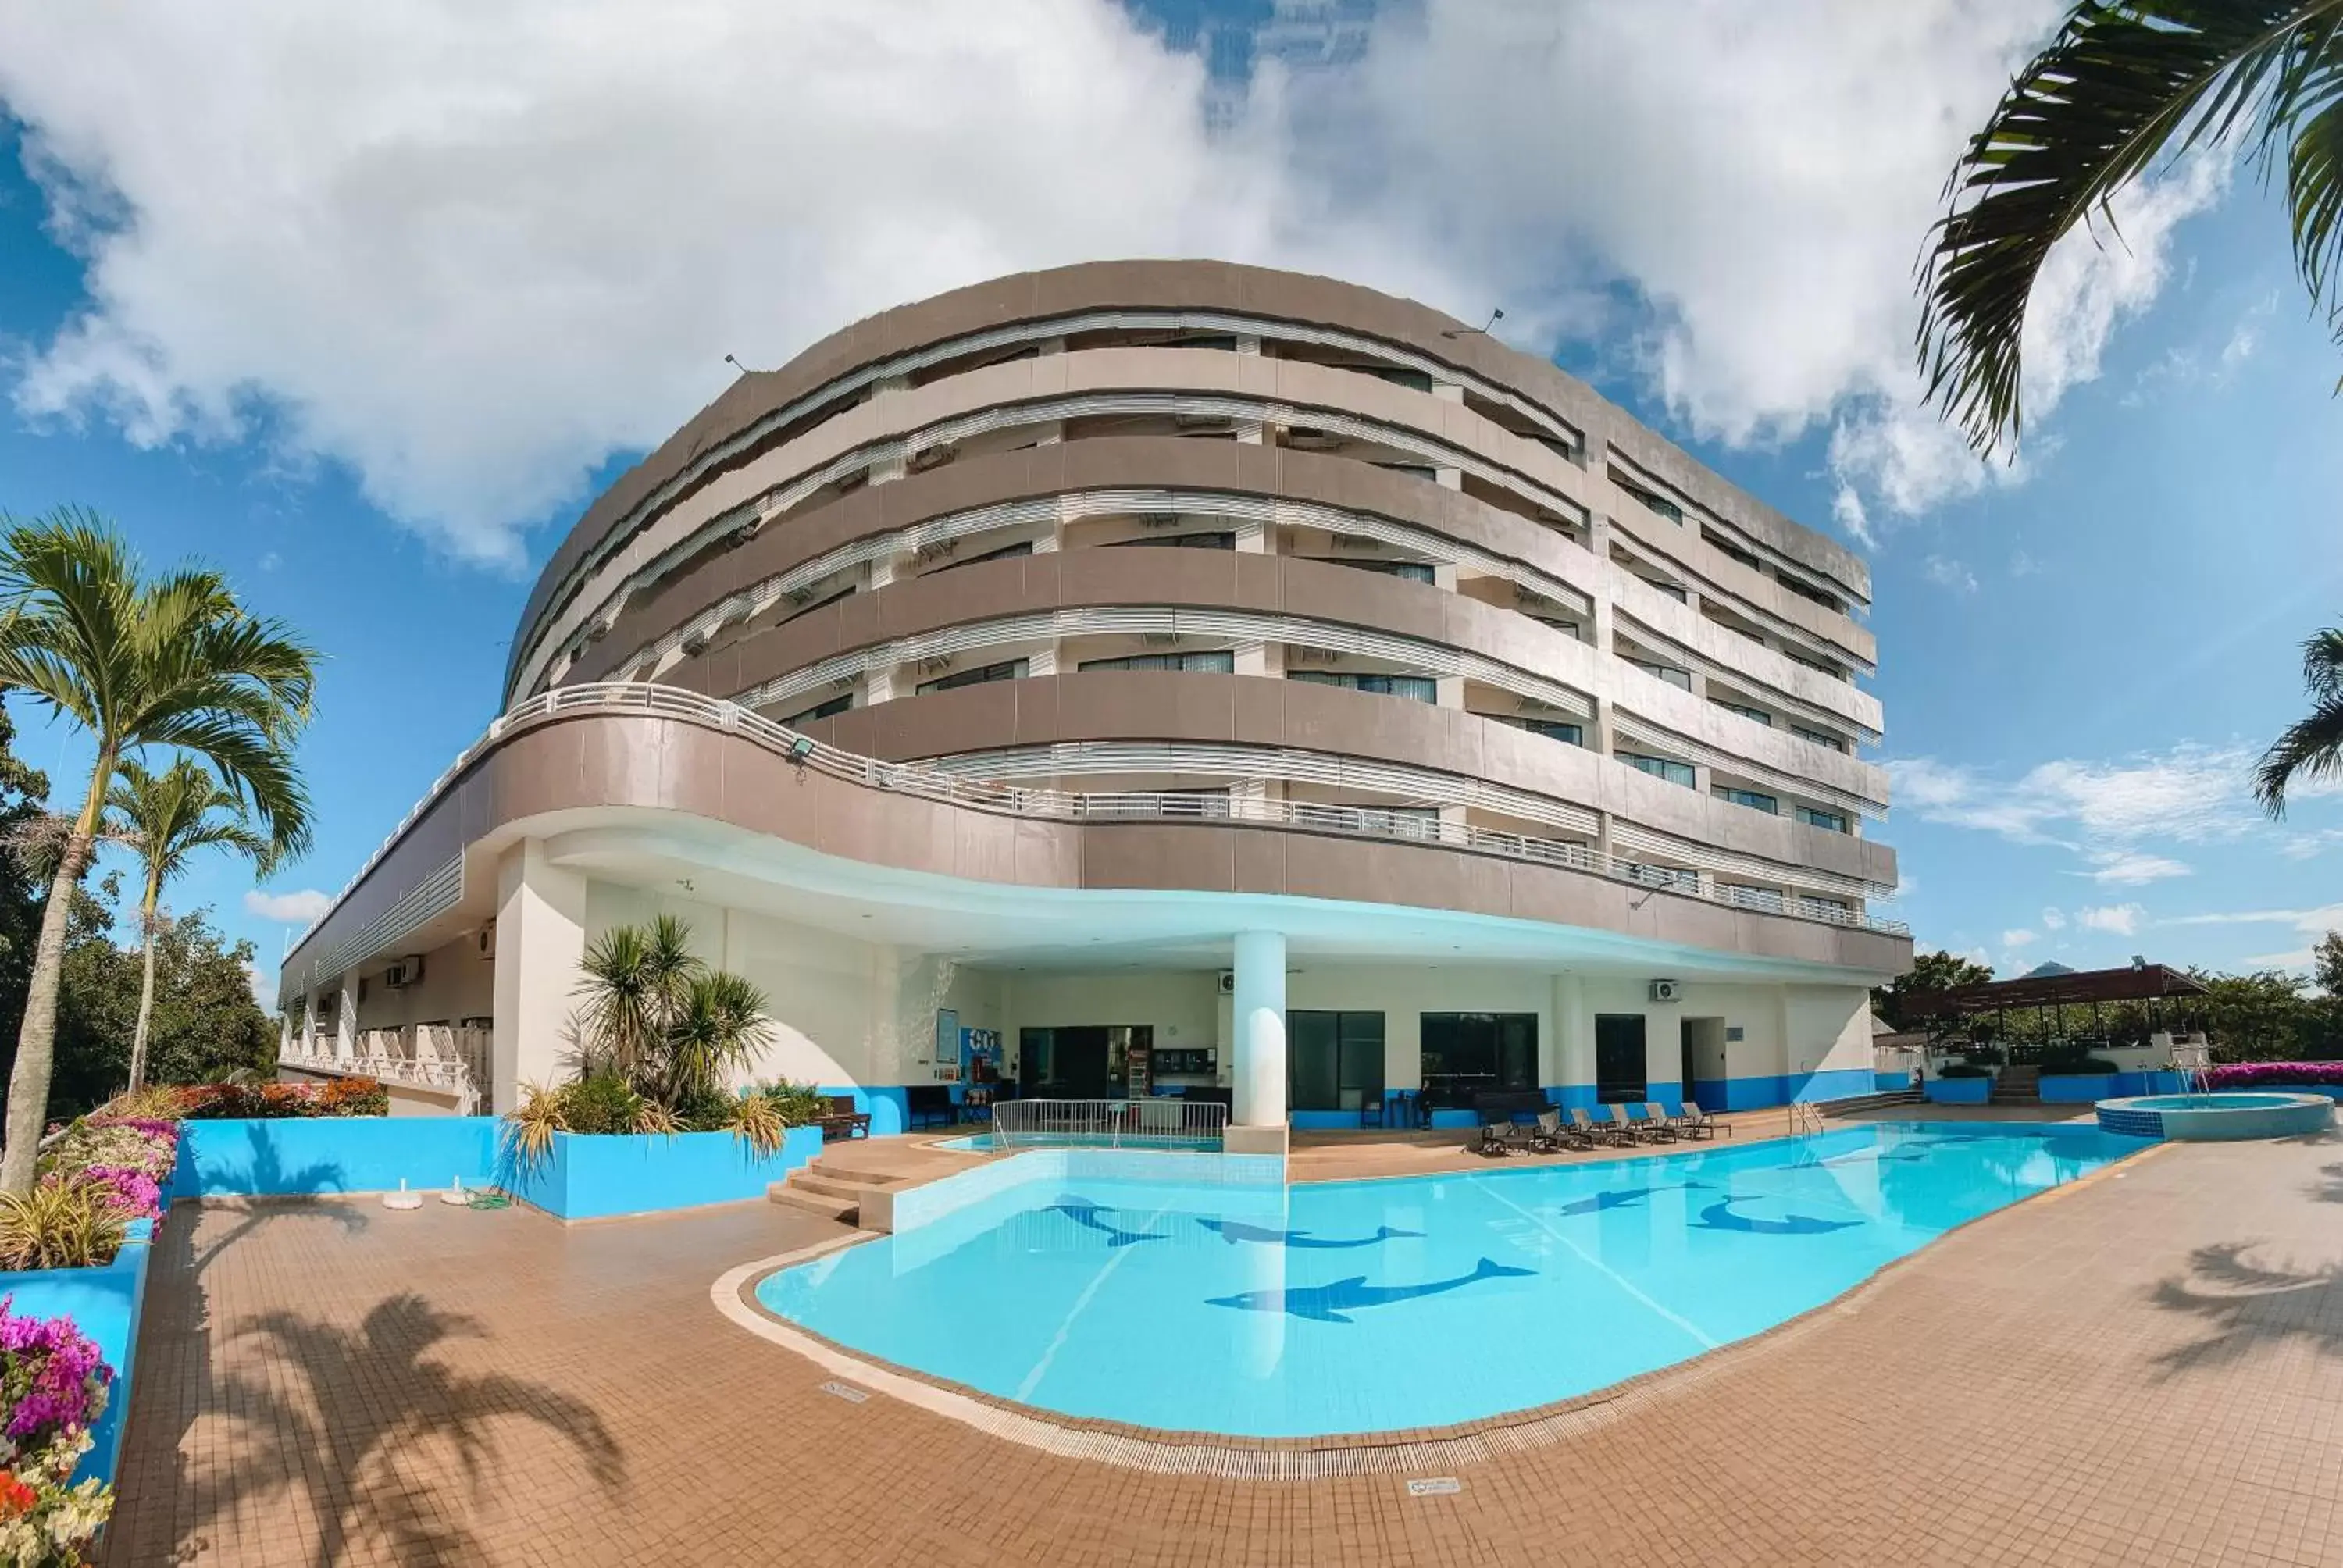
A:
{"x": 1694, "y": 1122}
{"x": 1609, "y": 1129}
{"x": 840, "y": 1119}
{"x": 1663, "y": 1125}
{"x": 1553, "y": 1134}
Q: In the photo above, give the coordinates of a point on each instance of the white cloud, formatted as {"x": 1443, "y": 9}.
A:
{"x": 2133, "y": 869}
{"x": 472, "y": 250}
{"x": 2191, "y": 793}
{"x": 2310, "y": 924}
{"x": 2120, "y": 919}
{"x": 2017, "y": 939}
{"x": 2054, "y": 919}
{"x": 2022, "y": 565}
{"x": 1951, "y": 573}
{"x": 298, "y": 908}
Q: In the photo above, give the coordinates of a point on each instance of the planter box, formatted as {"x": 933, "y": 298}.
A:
{"x": 1960, "y": 1090}
{"x": 105, "y": 1304}
{"x": 2078, "y": 1087}
{"x": 294, "y": 1156}
{"x": 603, "y": 1177}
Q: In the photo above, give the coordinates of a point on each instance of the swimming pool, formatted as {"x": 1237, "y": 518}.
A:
{"x": 982, "y": 1143}
{"x": 1257, "y": 1310}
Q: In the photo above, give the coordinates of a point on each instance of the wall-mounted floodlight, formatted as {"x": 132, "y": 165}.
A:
{"x": 1494, "y": 318}
{"x": 802, "y": 749}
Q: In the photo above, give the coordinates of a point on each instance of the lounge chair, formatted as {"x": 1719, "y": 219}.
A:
{"x": 1608, "y": 1129}
{"x": 1492, "y": 1141}
{"x": 1694, "y": 1122}
{"x": 1663, "y": 1125}
{"x": 1552, "y": 1135}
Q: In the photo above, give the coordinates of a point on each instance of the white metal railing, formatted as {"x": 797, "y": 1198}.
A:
{"x": 981, "y": 795}
{"x": 1164, "y": 1123}
{"x": 427, "y": 1056}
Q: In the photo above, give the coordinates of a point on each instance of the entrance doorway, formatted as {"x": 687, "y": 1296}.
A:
{"x": 1335, "y": 1060}
{"x": 1619, "y": 1072}
{"x": 1705, "y": 1069}
{"x": 1085, "y": 1062}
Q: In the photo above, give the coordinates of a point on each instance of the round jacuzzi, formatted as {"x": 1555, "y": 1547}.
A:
{"x": 2198, "y": 1118}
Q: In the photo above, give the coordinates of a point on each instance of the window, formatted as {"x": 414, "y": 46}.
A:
{"x": 1807, "y": 592}
{"x": 1621, "y": 1069}
{"x": 1421, "y": 470}
{"x": 1181, "y": 541}
{"x": 1834, "y": 671}
{"x": 1422, "y": 687}
{"x": 1222, "y": 663}
{"x": 1335, "y": 1060}
{"x": 1750, "y": 897}
{"x": 1823, "y": 738}
{"x": 835, "y": 705}
{"x": 1396, "y": 821}
{"x": 1659, "y": 504}
{"x": 1826, "y": 906}
{"x": 1009, "y": 669}
{"x": 1469, "y": 1053}
{"x": 790, "y": 612}
{"x": 1413, "y": 572}
{"x": 1679, "y": 678}
{"x": 1004, "y": 553}
{"x": 1157, "y": 803}
{"x": 1567, "y": 628}
{"x": 1719, "y": 541}
{"x": 1755, "y": 715}
{"x": 1831, "y": 821}
{"x": 1561, "y": 450}
{"x": 1552, "y": 729}
{"x": 1671, "y": 589}
{"x": 1660, "y": 768}
{"x": 1226, "y": 342}
{"x": 1749, "y": 798}
{"x": 1413, "y": 380}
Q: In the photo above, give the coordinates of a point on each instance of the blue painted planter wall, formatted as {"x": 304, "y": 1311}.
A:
{"x": 1885, "y": 1082}
{"x": 105, "y": 1304}
{"x": 600, "y": 1177}
{"x": 1960, "y": 1090}
{"x": 306, "y": 1156}
{"x": 2084, "y": 1088}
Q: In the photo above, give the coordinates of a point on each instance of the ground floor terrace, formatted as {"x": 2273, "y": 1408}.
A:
{"x": 2144, "y": 1366}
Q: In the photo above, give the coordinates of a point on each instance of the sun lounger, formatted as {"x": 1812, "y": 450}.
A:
{"x": 1694, "y": 1122}
{"x": 1607, "y": 1129}
{"x": 1663, "y": 1125}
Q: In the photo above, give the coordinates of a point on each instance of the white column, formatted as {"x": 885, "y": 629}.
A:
{"x": 1260, "y": 1034}
{"x": 345, "y": 1019}
{"x": 309, "y": 1023}
{"x": 540, "y": 937}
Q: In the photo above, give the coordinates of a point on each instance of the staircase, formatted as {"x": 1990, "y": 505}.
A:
{"x": 2017, "y": 1086}
{"x": 1884, "y": 1098}
{"x": 833, "y": 1187}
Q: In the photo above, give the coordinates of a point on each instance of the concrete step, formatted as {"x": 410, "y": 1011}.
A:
{"x": 842, "y": 1209}
{"x": 828, "y": 1184}
{"x": 1870, "y": 1101}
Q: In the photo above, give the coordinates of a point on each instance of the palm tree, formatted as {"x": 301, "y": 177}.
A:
{"x": 170, "y": 661}
{"x": 655, "y": 1013}
{"x": 169, "y": 816}
{"x": 2312, "y": 747}
{"x": 2126, "y": 83}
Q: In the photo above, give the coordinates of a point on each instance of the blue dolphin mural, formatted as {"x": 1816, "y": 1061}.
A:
{"x": 1620, "y": 1197}
{"x": 1083, "y": 1211}
{"x": 1235, "y": 1231}
{"x": 1328, "y": 1303}
{"x": 1719, "y": 1216}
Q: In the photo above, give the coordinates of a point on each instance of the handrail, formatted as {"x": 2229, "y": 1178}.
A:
{"x": 1141, "y": 1123}
{"x": 1008, "y": 800}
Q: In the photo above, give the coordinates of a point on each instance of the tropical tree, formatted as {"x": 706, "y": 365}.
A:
{"x": 656, "y": 1014}
{"x": 2312, "y": 747}
{"x": 2125, "y": 84}
{"x": 169, "y": 661}
{"x": 167, "y": 816}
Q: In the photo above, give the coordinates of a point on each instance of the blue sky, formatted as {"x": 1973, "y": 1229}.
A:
{"x": 372, "y": 368}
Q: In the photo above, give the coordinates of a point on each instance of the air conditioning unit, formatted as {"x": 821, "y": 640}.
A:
{"x": 935, "y": 551}
{"x": 695, "y": 641}
{"x": 484, "y": 941}
{"x": 1228, "y": 982}
{"x": 935, "y": 456}
{"x": 1315, "y": 656}
{"x": 404, "y": 973}
{"x": 935, "y": 666}
{"x": 1667, "y": 990}
{"x": 597, "y": 631}
{"x": 748, "y": 530}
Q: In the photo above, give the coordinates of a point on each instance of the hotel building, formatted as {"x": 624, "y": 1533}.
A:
{"x": 1190, "y": 676}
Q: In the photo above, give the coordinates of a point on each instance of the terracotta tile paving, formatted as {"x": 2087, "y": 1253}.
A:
{"x": 2144, "y": 1369}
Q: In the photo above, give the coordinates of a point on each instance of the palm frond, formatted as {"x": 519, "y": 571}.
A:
{"x": 2122, "y": 86}
{"x": 2310, "y": 749}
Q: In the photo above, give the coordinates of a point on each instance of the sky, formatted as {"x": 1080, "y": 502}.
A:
{"x": 363, "y": 305}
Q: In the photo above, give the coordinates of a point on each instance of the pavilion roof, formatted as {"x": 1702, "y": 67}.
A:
{"x": 2133, "y": 982}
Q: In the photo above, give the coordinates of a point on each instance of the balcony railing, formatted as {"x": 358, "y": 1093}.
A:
{"x": 450, "y": 1059}
{"x": 1017, "y": 801}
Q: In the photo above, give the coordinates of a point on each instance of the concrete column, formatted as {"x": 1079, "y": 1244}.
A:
{"x": 309, "y": 1023}
{"x": 1573, "y": 1052}
{"x": 1449, "y": 478}
{"x": 540, "y": 938}
{"x": 1260, "y": 1042}
{"x": 1448, "y": 391}
{"x": 1448, "y": 690}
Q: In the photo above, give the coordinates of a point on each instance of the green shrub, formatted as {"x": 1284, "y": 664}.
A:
{"x": 2086, "y": 1066}
{"x": 797, "y": 1104}
{"x": 59, "y": 1224}
{"x": 602, "y": 1104}
{"x": 1964, "y": 1069}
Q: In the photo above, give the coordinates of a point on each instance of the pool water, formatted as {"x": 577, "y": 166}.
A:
{"x": 1266, "y": 1310}
{"x": 2223, "y": 1102}
{"x": 983, "y": 1143}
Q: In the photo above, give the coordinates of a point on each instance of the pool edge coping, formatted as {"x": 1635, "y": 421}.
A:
{"x": 1162, "y": 1452}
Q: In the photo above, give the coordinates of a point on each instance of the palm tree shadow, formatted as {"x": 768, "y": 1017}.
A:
{"x": 2330, "y": 1188}
{"x": 2250, "y": 1308}
{"x": 366, "y": 1417}
{"x": 268, "y": 1173}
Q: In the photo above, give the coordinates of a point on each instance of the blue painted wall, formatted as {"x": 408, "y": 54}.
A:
{"x": 1960, "y": 1090}
{"x": 105, "y": 1304}
{"x": 599, "y": 1178}
{"x": 294, "y": 1156}
{"x": 1882, "y": 1082}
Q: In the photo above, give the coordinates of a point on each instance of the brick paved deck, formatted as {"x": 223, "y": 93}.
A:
{"x": 2146, "y": 1369}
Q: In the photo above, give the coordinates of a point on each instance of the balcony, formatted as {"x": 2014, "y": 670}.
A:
{"x": 442, "y": 1058}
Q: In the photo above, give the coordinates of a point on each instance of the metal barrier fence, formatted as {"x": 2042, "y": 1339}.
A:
{"x": 1109, "y": 1123}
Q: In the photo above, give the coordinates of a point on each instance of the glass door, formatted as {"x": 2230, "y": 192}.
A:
{"x": 1619, "y": 1072}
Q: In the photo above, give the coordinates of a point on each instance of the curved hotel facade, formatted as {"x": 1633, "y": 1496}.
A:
{"x": 1190, "y": 677}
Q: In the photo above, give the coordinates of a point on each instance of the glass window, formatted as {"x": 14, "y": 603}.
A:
{"x": 1226, "y": 342}
{"x": 1750, "y": 897}
{"x": 1335, "y": 1060}
{"x": 1671, "y": 589}
{"x": 1823, "y": 738}
{"x": 1421, "y": 470}
{"x": 1829, "y": 906}
{"x": 1221, "y": 542}
{"x": 1414, "y": 380}
{"x": 1749, "y": 798}
{"x": 1468, "y": 1053}
{"x": 1755, "y": 715}
{"x": 1421, "y": 688}
{"x": 1398, "y": 821}
{"x": 1004, "y": 553}
{"x": 1554, "y": 729}
{"x": 1413, "y": 572}
{"x": 1660, "y": 768}
{"x": 1008, "y": 670}
{"x": 1830, "y": 821}
{"x": 1222, "y": 662}
{"x": 1620, "y": 1064}
{"x": 834, "y": 706}
{"x": 1680, "y": 680}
